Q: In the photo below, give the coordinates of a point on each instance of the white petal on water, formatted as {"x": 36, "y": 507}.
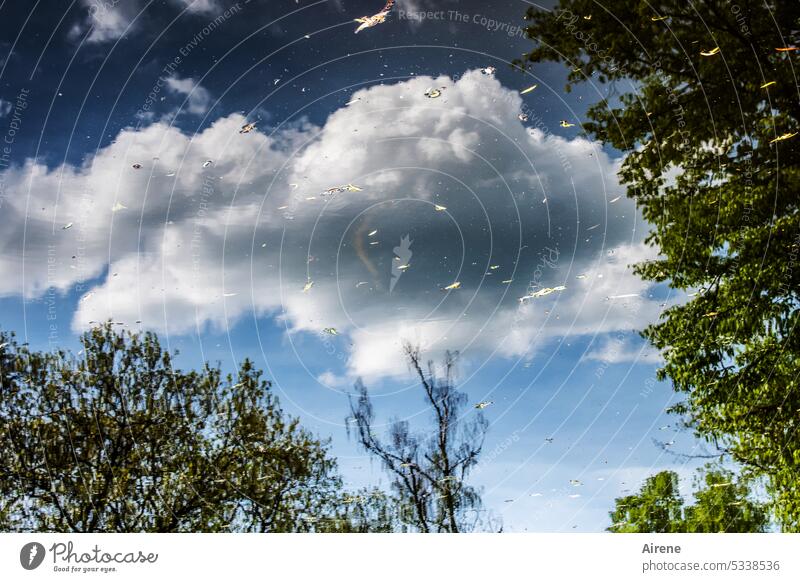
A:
{"x": 542, "y": 293}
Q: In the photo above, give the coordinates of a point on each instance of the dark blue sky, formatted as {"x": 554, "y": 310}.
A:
{"x": 93, "y": 89}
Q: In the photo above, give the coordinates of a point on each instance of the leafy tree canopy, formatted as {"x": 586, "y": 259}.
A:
{"x": 702, "y": 99}
{"x": 721, "y": 504}
{"x": 119, "y": 440}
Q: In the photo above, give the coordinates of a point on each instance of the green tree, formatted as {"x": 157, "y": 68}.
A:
{"x": 429, "y": 471}
{"x": 119, "y": 440}
{"x": 365, "y": 511}
{"x": 702, "y": 101}
{"x": 657, "y": 508}
{"x": 721, "y": 504}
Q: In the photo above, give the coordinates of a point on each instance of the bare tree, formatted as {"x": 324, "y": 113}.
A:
{"x": 429, "y": 471}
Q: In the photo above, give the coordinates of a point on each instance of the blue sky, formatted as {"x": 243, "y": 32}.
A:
{"x": 131, "y": 195}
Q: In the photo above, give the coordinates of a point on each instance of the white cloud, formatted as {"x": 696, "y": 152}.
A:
{"x": 201, "y": 6}
{"x": 621, "y": 350}
{"x": 198, "y": 99}
{"x": 110, "y": 19}
{"x": 157, "y": 203}
{"x": 332, "y": 380}
{"x": 211, "y": 245}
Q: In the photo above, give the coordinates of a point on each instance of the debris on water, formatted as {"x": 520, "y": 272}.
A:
{"x": 339, "y": 189}
{"x": 542, "y": 293}
{"x": 783, "y": 137}
{"x": 379, "y": 18}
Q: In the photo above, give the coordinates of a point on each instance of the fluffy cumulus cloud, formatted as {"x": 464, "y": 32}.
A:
{"x": 453, "y": 191}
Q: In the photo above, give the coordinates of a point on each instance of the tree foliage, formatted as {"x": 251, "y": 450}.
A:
{"x": 429, "y": 470}
{"x": 657, "y": 508}
{"x": 119, "y": 440}
{"x": 724, "y": 504}
{"x": 713, "y": 162}
{"x": 721, "y": 504}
